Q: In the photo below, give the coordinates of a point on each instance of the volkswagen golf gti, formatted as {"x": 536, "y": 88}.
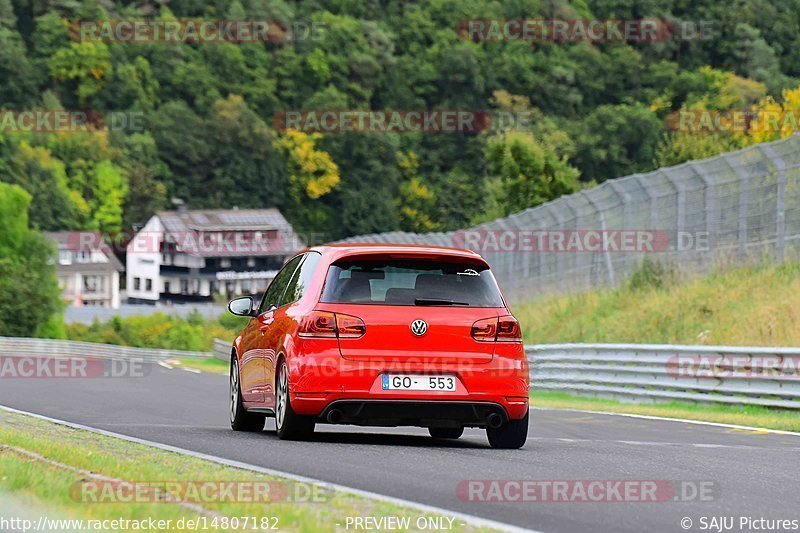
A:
{"x": 381, "y": 335}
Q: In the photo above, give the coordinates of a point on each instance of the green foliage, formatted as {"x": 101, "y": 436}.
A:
{"x": 86, "y": 64}
{"x": 18, "y": 76}
{"x": 29, "y": 293}
{"x": 615, "y": 140}
{"x": 110, "y": 188}
{"x": 530, "y": 173}
{"x": 159, "y": 330}
{"x": 54, "y": 205}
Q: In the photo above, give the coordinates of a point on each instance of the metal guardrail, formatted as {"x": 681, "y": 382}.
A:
{"x": 27, "y": 347}
{"x": 632, "y": 372}
{"x": 221, "y": 350}
{"x": 657, "y": 373}
{"x": 660, "y": 372}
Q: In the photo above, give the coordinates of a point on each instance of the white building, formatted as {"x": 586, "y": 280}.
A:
{"x": 88, "y": 271}
{"x": 191, "y": 255}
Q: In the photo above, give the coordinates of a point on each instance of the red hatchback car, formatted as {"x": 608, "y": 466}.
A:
{"x": 381, "y": 335}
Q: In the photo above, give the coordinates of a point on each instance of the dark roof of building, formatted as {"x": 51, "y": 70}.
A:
{"x": 84, "y": 241}
{"x": 224, "y": 220}
{"x": 186, "y": 225}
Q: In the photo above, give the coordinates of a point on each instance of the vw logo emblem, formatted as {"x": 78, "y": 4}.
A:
{"x": 419, "y": 327}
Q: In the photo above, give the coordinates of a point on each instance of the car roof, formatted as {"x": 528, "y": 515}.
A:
{"x": 338, "y": 251}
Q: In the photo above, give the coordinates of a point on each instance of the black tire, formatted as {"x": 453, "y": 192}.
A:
{"x": 446, "y": 433}
{"x": 241, "y": 420}
{"x": 511, "y": 435}
{"x": 289, "y": 425}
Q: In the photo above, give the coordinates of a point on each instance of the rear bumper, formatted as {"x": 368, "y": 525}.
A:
{"x": 432, "y": 413}
{"x": 321, "y": 380}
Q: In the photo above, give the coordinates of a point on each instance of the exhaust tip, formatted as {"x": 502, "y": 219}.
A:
{"x": 335, "y": 416}
{"x": 494, "y": 420}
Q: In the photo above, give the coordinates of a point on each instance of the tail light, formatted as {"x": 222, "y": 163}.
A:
{"x": 485, "y": 330}
{"x": 318, "y": 324}
{"x": 350, "y": 327}
{"x": 508, "y": 329}
{"x": 503, "y": 329}
{"x": 326, "y": 324}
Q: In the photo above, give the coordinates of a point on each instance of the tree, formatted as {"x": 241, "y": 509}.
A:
{"x": 29, "y": 293}
{"x": 755, "y": 57}
{"x": 775, "y": 120}
{"x": 147, "y": 174}
{"x": 18, "y": 77}
{"x": 529, "y": 173}
{"x": 312, "y": 175}
{"x": 54, "y": 206}
{"x": 109, "y": 190}
{"x": 416, "y": 202}
{"x": 617, "y": 140}
{"x": 86, "y": 64}
{"x": 88, "y": 158}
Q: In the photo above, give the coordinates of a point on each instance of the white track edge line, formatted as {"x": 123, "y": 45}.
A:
{"x": 668, "y": 419}
{"x": 467, "y": 518}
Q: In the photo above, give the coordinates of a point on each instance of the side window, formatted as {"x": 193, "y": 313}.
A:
{"x": 278, "y": 286}
{"x": 301, "y": 279}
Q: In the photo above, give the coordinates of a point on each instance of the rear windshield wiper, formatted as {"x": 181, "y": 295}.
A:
{"x": 437, "y": 301}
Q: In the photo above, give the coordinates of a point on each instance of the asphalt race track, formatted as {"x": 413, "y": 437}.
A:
{"x": 753, "y": 473}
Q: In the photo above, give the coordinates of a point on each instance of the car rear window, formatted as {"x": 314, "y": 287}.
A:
{"x": 411, "y": 282}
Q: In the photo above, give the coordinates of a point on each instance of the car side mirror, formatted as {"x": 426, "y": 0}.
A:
{"x": 241, "y": 306}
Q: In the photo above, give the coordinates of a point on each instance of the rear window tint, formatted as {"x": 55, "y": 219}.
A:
{"x": 411, "y": 282}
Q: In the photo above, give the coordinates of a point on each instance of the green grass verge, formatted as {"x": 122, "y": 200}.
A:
{"x": 40, "y": 485}
{"x": 751, "y": 415}
{"x": 758, "y": 306}
{"x": 212, "y": 365}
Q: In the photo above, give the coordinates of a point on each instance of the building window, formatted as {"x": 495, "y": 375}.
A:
{"x": 225, "y": 263}
{"x": 137, "y": 284}
{"x": 148, "y": 284}
{"x": 84, "y": 257}
{"x": 166, "y": 287}
{"x": 184, "y": 286}
{"x": 251, "y": 262}
{"x": 64, "y": 257}
{"x": 94, "y": 283}
{"x": 91, "y": 284}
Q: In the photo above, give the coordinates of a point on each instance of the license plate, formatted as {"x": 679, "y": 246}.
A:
{"x": 418, "y": 382}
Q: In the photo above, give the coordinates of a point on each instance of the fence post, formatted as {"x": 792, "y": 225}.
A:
{"x": 626, "y": 214}
{"x": 561, "y": 221}
{"x": 680, "y": 208}
{"x": 744, "y": 190}
{"x": 602, "y": 220}
{"x": 709, "y": 207}
{"x": 650, "y": 198}
{"x": 780, "y": 222}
